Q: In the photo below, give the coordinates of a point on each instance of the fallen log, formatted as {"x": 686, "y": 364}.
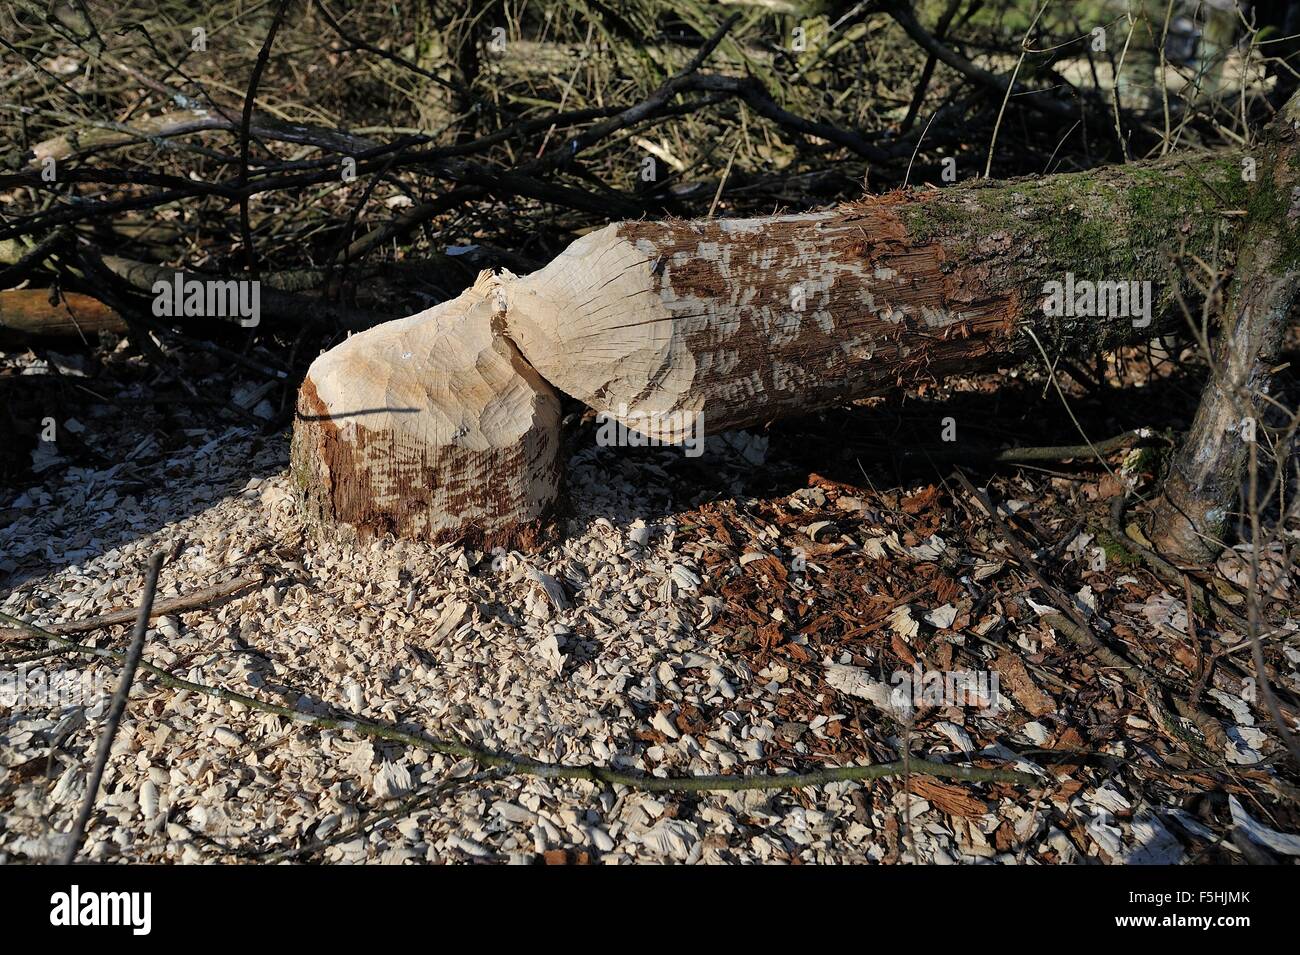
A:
{"x": 678, "y": 328}
{"x": 29, "y": 312}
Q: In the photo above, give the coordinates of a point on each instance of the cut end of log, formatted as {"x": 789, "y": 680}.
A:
{"x": 431, "y": 427}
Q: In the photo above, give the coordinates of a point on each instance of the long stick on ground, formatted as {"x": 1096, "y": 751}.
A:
{"x": 528, "y": 767}
{"x": 171, "y": 605}
{"x": 131, "y": 661}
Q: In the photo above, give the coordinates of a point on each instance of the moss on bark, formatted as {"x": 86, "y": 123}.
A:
{"x": 1126, "y": 223}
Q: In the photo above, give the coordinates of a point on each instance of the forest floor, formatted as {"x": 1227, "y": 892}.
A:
{"x": 752, "y": 610}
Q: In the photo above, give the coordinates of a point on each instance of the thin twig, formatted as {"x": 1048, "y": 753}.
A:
{"x": 263, "y": 55}
{"x": 1011, "y": 84}
{"x": 1253, "y": 614}
{"x": 1065, "y": 605}
{"x": 1119, "y": 69}
{"x": 188, "y": 601}
{"x": 130, "y": 662}
{"x": 421, "y": 800}
{"x": 1060, "y": 452}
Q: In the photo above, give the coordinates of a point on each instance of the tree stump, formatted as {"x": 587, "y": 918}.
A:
{"x": 430, "y": 427}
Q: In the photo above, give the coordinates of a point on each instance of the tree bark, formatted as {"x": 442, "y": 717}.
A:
{"x": 1192, "y": 517}
{"x": 670, "y": 327}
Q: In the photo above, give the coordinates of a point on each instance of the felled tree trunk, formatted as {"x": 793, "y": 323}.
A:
{"x": 679, "y": 326}
{"x": 741, "y": 321}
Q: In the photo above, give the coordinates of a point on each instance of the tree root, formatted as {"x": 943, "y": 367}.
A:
{"x": 1147, "y": 685}
{"x": 1071, "y": 623}
{"x": 1171, "y": 574}
{"x": 1167, "y": 571}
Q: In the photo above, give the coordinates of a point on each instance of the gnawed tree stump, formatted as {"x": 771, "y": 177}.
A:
{"x": 430, "y": 427}
{"x": 665, "y": 326}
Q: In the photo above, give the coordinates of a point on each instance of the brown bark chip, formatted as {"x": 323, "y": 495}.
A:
{"x": 1014, "y": 676}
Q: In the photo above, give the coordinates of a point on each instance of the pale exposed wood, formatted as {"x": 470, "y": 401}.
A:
{"x": 737, "y": 321}
{"x": 432, "y": 427}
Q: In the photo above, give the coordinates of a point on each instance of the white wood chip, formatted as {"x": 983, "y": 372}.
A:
{"x": 1283, "y": 842}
